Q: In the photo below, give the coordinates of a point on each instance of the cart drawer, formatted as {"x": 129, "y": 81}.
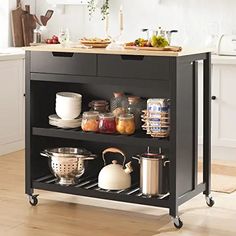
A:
{"x": 63, "y": 63}
{"x": 132, "y": 66}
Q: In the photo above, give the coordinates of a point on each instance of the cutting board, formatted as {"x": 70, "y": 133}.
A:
{"x": 168, "y": 48}
{"x": 17, "y": 31}
{"x": 28, "y": 25}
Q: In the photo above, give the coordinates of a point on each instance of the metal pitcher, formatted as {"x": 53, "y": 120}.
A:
{"x": 164, "y": 33}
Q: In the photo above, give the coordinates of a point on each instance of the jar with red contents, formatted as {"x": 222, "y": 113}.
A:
{"x": 107, "y": 123}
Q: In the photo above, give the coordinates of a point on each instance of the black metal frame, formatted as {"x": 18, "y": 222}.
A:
{"x": 183, "y": 92}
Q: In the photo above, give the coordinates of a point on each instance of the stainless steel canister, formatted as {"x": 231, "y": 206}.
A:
{"x": 154, "y": 176}
{"x": 37, "y": 36}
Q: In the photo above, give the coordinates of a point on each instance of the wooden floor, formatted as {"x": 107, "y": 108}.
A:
{"x": 63, "y": 217}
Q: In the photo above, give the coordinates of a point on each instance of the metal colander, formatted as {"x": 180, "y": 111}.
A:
{"x": 67, "y": 164}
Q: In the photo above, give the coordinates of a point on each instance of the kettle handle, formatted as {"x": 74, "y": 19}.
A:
{"x": 138, "y": 158}
{"x": 113, "y": 150}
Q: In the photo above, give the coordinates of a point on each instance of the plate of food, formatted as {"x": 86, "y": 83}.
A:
{"x": 157, "y": 43}
{"x": 95, "y": 42}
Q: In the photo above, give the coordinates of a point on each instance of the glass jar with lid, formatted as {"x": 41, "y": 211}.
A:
{"x": 135, "y": 107}
{"x": 125, "y": 124}
{"x": 102, "y": 106}
{"x": 118, "y": 103}
{"x": 90, "y": 121}
{"x": 107, "y": 123}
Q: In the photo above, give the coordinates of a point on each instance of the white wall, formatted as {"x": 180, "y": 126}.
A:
{"x": 5, "y": 19}
{"x": 193, "y": 18}
{"x": 4, "y": 23}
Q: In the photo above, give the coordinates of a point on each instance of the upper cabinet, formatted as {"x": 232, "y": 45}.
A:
{"x": 67, "y": 2}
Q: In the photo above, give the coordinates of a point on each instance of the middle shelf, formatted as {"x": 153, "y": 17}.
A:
{"x": 139, "y": 138}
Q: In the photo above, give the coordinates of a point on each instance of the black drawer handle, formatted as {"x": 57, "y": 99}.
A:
{"x": 62, "y": 54}
{"x": 132, "y": 58}
{"x": 213, "y": 98}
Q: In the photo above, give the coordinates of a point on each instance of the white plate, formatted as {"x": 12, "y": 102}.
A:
{"x": 55, "y": 120}
{"x": 55, "y": 117}
{"x": 59, "y": 125}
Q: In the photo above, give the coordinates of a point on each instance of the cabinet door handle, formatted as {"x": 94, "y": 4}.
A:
{"x": 213, "y": 98}
{"x": 62, "y": 54}
{"x": 132, "y": 58}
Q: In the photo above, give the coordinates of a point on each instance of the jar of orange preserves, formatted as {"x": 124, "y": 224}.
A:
{"x": 125, "y": 124}
{"x": 90, "y": 121}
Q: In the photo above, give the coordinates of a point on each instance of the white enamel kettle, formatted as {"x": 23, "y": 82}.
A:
{"x": 114, "y": 176}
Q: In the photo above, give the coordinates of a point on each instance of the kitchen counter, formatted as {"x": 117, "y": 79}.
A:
{"x": 11, "y": 54}
{"x": 223, "y": 60}
{"x": 216, "y": 59}
{"x": 59, "y": 48}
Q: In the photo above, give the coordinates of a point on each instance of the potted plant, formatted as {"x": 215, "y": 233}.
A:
{"x": 104, "y": 8}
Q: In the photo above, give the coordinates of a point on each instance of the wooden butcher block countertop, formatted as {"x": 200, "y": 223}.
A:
{"x": 59, "y": 48}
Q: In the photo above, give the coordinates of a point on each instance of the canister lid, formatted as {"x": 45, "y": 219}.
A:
{"x": 153, "y": 155}
{"x": 98, "y": 103}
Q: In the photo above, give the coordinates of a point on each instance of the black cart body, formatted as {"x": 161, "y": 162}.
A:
{"x": 96, "y": 76}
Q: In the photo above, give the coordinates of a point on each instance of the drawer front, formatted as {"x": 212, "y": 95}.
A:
{"x": 63, "y": 63}
{"x": 129, "y": 66}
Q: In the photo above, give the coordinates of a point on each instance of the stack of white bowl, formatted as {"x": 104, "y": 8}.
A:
{"x": 68, "y": 105}
{"x": 68, "y": 109}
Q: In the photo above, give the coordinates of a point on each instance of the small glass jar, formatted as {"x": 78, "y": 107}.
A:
{"x": 118, "y": 103}
{"x": 135, "y": 107}
{"x": 90, "y": 121}
{"x": 101, "y": 106}
{"x": 125, "y": 124}
{"x": 107, "y": 123}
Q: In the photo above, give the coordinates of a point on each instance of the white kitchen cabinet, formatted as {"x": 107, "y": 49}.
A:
{"x": 11, "y": 105}
{"x": 223, "y": 110}
{"x": 224, "y": 107}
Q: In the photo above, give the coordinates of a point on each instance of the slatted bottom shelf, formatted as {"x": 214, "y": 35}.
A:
{"x": 88, "y": 186}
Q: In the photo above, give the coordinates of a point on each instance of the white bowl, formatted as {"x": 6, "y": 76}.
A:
{"x": 66, "y": 105}
{"x": 67, "y": 112}
{"x": 68, "y": 96}
{"x": 70, "y": 102}
{"x": 61, "y": 99}
{"x": 73, "y": 104}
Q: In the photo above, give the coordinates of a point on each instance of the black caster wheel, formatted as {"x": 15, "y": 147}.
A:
{"x": 209, "y": 201}
{"x": 33, "y": 200}
{"x": 177, "y": 223}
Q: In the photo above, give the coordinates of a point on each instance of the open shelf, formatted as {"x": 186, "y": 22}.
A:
{"x": 88, "y": 186}
{"x": 139, "y": 138}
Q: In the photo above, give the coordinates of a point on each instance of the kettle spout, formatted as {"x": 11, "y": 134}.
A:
{"x": 128, "y": 168}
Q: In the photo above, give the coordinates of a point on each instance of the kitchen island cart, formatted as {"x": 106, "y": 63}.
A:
{"x": 96, "y": 74}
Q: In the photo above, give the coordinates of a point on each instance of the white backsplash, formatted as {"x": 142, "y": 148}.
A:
{"x": 195, "y": 20}
{"x": 5, "y": 19}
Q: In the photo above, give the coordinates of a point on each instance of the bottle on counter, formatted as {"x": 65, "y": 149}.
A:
{"x": 119, "y": 104}
{"x": 37, "y": 36}
{"x": 135, "y": 107}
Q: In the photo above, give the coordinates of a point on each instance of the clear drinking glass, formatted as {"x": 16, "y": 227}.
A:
{"x": 64, "y": 37}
